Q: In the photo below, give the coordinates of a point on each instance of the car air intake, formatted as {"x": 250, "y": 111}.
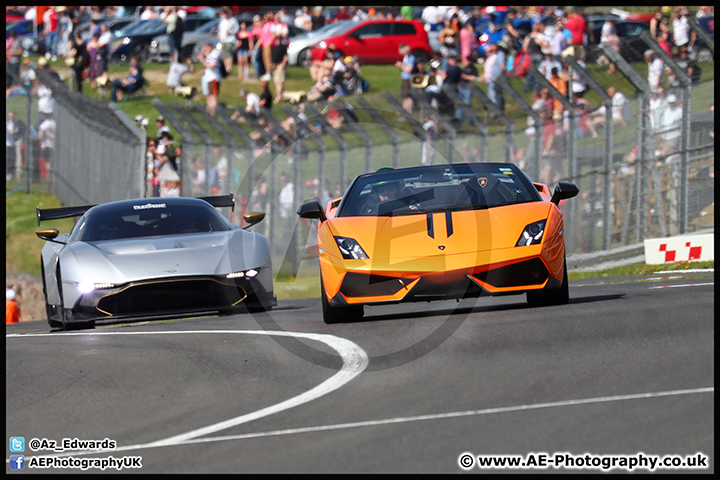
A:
{"x": 361, "y": 285}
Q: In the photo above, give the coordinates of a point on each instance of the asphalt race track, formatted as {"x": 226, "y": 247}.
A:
{"x": 623, "y": 373}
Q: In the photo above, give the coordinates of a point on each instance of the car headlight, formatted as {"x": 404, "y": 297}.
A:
{"x": 321, "y": 44}
{"x": 532, "y": 235}
{"x": 154, "y": 44}
{"x": 244, "y": 273}
{"x": 87, "y": 287}
{"x": 350, "y": 248}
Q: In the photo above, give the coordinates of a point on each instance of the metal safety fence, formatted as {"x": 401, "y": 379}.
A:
{"x": 82, "y": 150}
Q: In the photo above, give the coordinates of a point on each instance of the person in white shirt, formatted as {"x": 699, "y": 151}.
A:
{"x": 46, "y": 134}
{"x": 670, "y": 119}
{"x": 252, "y": 101}
{"x": 46, "y": 102}
{"x": 620, "y": 109}
{"x": 11, "y": 132}
{"x": 656, "y": 70}
{"x": 175, "y": 74}
{"x": 227, "y": 29}
{"x": 210, "y": 58}
{"x": 431, "y": 16}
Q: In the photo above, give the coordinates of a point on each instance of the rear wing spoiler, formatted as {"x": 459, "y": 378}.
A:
{"x": 220, "y": 201}
{"x": 60, "y": 212}
{"x": 69, "y": 212}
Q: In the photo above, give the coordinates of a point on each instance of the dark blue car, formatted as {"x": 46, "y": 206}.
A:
{"x": 135, "y": 41}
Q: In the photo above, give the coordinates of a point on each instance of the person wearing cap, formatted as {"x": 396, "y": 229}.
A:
{"x": 42, "y": 63}
{"x": 12, "y": 311}
{"x": 669, "y": 126}
{"x": 656, "y": 70}
{"x": 161, "y": 127}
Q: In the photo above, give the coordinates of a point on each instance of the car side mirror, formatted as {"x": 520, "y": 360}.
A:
{"x": 49, "y": 234}
{"x": 564, "y": 190}
{"x": 312, "y": 210}
{"x": 253, "y": 218}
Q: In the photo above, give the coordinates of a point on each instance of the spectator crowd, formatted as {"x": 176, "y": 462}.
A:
{"x": 259, "y": 52}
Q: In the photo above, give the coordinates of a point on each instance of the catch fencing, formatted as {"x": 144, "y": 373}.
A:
{"x": 634, "y": 184}
{"x": 87, "y": 153}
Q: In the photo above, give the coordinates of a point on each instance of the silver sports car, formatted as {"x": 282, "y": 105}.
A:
{"x": 152, "y": 257}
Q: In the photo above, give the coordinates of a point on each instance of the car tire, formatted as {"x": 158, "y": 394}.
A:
{"x": 304, "y": 58}
{"x": 333, "y": 315}
{"x": 63, "y": 324}
{"x": 141, "y": 51}
{"x": 560, "y": 296}
{"x": 420, "y": 56}
{"x": 705, "y": 55}
{"x": 54, "y": 324}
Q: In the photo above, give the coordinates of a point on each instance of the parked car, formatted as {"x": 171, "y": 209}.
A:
{"x": 114, "y": 24}
{"x": 136, "y": 41}
{"x": 300, "y": 47}
{"x": 377, "y": 41}
{"x": 21, "y": 28}
{"x": 632, "y": 46}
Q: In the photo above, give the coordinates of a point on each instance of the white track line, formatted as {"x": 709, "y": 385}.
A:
{"x": 683, "y": 285}
{"x": 355, "y": 360}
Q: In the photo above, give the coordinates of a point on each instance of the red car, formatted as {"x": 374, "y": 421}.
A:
{"x": 377, "y": 41}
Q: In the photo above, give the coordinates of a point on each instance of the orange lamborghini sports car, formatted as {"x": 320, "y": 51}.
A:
{"x": 440, "y": 232}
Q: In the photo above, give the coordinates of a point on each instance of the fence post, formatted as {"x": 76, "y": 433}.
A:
{"x": 643, "y": 135}
{"x": 534, "y": 170}
{"x": 342, "y": 143}
{"x": 499, "y": 115}
{"x": 422, "y": 100}
{"x": 341, "y": 107}
{"x": 394, "y": 137}
{"x": 607, "y": 146}
{"x": 686, "y": 85}
{"x": 236, "y": 127}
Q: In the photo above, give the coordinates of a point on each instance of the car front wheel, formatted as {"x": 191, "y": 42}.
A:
{"x": 338, "y": 314}
{"x": 560, "y": 296}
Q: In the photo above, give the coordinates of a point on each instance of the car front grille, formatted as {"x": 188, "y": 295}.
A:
{"x": 531, "y": 272}
{"x": 175, "y": 295}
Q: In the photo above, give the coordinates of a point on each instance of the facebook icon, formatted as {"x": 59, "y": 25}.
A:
{"x": 17, "y": 462}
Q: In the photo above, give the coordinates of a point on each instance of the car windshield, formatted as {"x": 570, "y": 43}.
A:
{"x": 335, "y": 28}
{"x": 208, "y": 27}
{"x": 113, "y": 222}
{"x": 422, "y": 190}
